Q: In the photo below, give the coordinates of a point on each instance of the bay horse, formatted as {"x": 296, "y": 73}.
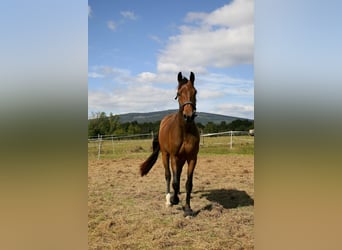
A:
{"x": 178, "y": 140}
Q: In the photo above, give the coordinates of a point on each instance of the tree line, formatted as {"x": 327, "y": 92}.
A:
{"x": 111, "y": 125}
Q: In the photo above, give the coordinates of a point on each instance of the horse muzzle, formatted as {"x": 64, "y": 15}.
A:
{"x": 189, "y": 118}
{"x": 189, "y": 111}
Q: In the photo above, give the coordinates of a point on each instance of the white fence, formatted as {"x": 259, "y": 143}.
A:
{"x": 231, "y": 133}
{"x": 101, "y": 138}
{"x": 114, "y": 137}
{"x": 97, "y": 141}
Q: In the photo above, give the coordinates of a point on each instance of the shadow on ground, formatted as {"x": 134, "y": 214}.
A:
{"x": 228, "y": 198}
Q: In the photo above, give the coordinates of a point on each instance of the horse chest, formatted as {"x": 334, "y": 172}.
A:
{"x": 185, "y": 149}
{"x": 188, "y": 146}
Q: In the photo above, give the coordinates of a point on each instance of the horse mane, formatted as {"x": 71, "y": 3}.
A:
{"x": 182, "y": 82}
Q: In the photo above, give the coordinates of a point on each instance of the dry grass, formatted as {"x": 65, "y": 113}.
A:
{"x": 127, "y": 211}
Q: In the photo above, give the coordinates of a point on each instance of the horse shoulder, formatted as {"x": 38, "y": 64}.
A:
{"x": 169, "y": 137}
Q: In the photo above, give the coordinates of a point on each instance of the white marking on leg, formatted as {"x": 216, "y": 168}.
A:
{"x": 168, "y": 200}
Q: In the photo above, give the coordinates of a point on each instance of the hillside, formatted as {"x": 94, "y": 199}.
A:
{"x": 202, "y": 117}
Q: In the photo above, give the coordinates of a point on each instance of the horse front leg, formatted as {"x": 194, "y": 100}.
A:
{"x": 191, "y": 167}
{"x": 177, "y": 166}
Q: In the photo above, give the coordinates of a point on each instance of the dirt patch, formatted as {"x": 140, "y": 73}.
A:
{"x": 137, "y": 149}
{"x": 126, "y": 211}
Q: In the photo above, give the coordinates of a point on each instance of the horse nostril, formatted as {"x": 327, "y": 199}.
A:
{"x": 187, "y": 118}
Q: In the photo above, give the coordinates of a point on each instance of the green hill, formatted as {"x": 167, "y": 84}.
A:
{"x": 202, "y": 117}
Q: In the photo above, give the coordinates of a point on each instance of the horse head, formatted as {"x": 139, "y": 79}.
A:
{"x": 186, "y": 95}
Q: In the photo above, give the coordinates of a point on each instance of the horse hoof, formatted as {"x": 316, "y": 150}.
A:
{"x": 188, "y": 213}
{"x": 175, "y": 200}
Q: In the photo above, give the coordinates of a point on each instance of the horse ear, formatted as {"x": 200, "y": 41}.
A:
{"x": 180, "y": 77}
{"x": 192, "y": 77}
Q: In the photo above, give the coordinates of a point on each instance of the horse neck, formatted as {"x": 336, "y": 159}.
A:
{"x": 180, "y": 118}
{"x": 187, "y": 126}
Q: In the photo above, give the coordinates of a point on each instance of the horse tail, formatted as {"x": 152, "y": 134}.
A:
{"x": 151, "y": 160}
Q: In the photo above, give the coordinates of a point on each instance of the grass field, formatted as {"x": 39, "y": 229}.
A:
{"x": 126, "y": 211}
{"x": 141, "y": 148}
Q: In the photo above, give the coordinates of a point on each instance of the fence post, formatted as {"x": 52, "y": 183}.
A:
{"x": 113, "y": 144}
{"x": 99, "y": 138}
{"x": 231, "y": 139}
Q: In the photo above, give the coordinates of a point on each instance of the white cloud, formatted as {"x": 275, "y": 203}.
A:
{"x": 156, "y": 39}
{"x": 195, "y": 16}
{"x": 146, "y": 77}
{"x": 108, "y": 71}
{"x": 238, "y": 13}
{"x": 215, "y": 78}
{"x": 124, "y": 100}
{"x": 223, "y": 86}
{"x": 89, "y": 11}
{"x": 95, "y": 75}
{"x": 209, "y": 94}
{"x": 222, "y": 38}
{"x": 159, "y": 78}
{"x": 121, "y": 92}
{"x": 236, "y": 109}
{"x": 219, "y": 39}
{"x": 129, "y": 15}
{"x": 111, "y": 25}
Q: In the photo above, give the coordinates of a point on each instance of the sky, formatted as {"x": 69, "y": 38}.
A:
{"x": 136, "y": 49}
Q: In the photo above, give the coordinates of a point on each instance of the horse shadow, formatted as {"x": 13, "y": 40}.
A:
{"x": 227, "y": 198}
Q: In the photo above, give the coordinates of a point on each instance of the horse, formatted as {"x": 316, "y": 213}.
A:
{"x": 178, "y": 140}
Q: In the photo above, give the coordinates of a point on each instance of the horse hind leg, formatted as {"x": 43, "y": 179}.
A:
{"x": 168, "y": 200}
{"x": 166, "y": 158}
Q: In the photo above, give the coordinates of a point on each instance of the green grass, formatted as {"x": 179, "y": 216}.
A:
{"x": 242, "y": 145}
{"x": 221, "y": 145}
{"x": 120, "y": 149}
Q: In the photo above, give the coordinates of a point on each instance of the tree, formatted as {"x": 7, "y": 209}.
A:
{"x": 210, "y": 128}
{"x": 101, "y": 124}
{"x": 104, "y": 125}
{"x": 133, "y": 128}
{"x": 223, "y": 126}
{"x": 98, "y": 124}
{"x": 114, "y": 123}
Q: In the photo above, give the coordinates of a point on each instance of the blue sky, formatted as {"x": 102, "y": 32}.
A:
{"x": 136, "y": 49}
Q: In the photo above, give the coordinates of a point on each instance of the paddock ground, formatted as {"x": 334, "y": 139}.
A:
{"x": 126, "y": 211}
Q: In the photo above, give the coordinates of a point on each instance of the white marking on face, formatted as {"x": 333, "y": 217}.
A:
{"x": 168, "y": 200}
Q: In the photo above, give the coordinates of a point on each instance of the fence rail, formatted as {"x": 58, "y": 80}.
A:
{"x": 130, "y": 144}
{"x": 114, "y": 137}
{"x": 226, "y": 133}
